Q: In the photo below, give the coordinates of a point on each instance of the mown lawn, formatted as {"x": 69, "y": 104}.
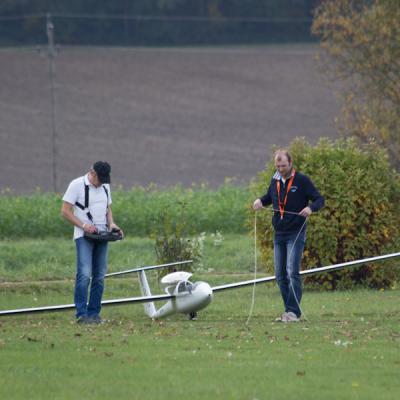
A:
{"x": 347, "y": 348}
{"x": 53, "y": 259}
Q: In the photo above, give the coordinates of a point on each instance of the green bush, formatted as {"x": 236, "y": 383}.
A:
{"x": 361, "y": 217}
{"x": 174, "y": 239}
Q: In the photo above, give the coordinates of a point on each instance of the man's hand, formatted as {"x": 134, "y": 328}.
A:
{"x": 115, "y": 227}
{"x": 305, "y": 212}
{"x": 89, "y": 228}
{"x": 67, "y": 211}
{"x": 257, "y": 205}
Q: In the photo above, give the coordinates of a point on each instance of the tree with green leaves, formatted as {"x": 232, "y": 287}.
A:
{"x": 362, "y": 39}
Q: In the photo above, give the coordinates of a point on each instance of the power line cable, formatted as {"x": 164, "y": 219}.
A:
{"x": 174, "y": 18}
{"x": 20, "y": 17}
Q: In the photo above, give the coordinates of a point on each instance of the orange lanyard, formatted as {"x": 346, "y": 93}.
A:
{"x": 278, "y": 187}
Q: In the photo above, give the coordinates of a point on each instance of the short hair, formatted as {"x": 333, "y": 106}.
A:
{"x": 282, "y": 152}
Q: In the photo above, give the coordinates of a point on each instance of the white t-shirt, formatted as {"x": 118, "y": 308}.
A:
{"x": 97, "y": 203}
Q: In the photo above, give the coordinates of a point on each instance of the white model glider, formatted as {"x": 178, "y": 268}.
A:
{"x": 182, "y": 295}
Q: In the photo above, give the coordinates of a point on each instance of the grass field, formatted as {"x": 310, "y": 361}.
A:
{"x": 54, "y": 259}
{"x": 348, "y": 348}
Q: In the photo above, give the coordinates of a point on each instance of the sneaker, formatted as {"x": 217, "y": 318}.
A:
{"x": 96, "y": 319}
{"x": 281, "y": 318}
{"x": 290, "y": 317}
{"x": 84, "y": 320}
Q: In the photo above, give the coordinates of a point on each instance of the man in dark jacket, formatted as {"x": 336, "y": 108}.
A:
{"x": 290, "y": 194}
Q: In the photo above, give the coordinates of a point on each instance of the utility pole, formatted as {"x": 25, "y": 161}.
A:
{"x": 51, "y": 53}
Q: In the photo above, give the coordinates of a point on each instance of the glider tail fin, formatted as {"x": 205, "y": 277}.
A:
{"x": 149, "y": 308}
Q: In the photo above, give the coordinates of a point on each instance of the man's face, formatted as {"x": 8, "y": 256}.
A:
{"x": 94, "y": 178}
{"x": 282, "y": 165}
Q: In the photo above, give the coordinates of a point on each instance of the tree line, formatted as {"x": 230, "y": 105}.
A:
{"x": 154, "y": 22}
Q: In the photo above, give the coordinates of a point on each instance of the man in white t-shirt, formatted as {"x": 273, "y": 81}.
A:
{"x": 87, "y": 206}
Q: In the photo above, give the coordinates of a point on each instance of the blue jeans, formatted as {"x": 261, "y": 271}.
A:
{"x": 91, "y": 263}
{"x": 287, "y": 261}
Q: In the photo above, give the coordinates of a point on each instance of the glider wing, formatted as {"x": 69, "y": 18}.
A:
{"x": 129, "y": 271}
{"x": 65, "y": 307}
{"x": 306, "y": 272}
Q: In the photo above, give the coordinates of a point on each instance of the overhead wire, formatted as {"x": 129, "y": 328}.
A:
{"x": 139, "y": 17}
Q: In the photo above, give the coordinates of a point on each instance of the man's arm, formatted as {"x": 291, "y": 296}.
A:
{"x": 110, "y": 221}
{"x": 264, "y": 200}
{"x": 67, "y": 212}
{"x": 317, "y": 200}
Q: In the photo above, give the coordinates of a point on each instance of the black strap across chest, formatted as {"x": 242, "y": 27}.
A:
{"x": 86, "y": 206}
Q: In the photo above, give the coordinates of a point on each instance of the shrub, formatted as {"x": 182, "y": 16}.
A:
{"x": 174, "y": 240}
{"x": 361, "y": 216}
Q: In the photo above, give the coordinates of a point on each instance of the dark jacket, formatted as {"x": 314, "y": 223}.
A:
{"x": 302, "y": 192}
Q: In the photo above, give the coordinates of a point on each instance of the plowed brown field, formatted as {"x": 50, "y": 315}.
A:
{"x": 166, "y": 116}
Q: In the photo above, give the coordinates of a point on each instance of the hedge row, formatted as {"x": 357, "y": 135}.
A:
{"x": 136, "y": 211}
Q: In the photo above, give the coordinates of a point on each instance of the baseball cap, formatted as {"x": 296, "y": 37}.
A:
{"x": 102, "y": 169}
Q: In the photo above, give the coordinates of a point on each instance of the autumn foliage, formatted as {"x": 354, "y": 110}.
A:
{"x": 361, "y": 39}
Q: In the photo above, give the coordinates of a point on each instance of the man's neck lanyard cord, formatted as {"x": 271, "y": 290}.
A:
{"x": 281, "y": 204}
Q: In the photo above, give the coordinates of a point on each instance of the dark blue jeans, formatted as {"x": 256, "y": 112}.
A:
{"x": 287, "y": 261}
{"x": 91, "y": 263}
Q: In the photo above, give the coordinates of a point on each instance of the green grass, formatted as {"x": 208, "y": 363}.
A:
{"x": 349, "y": 348}
{"x": 53, "y": 259}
